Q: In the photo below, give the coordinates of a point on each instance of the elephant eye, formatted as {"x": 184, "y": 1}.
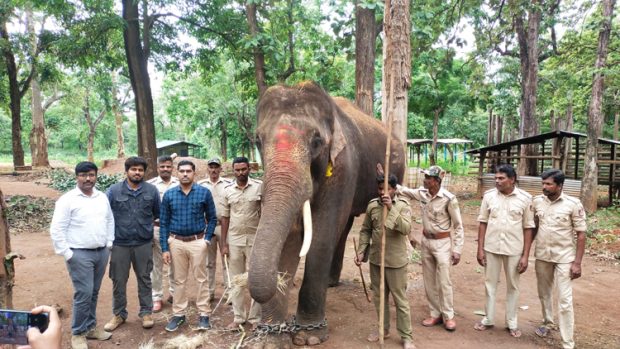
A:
{"x": 317, "y": 142}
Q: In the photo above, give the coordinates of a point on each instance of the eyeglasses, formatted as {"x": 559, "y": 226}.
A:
{"x": 89, "y": 175}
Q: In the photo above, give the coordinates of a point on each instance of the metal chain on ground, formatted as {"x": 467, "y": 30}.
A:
{"x": 288, "y": 327}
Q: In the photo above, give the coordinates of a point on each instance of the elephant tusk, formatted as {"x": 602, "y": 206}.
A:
{"x": 307, "y": 214}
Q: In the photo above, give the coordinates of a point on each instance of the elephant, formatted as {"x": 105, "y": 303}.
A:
{"x": 320, "y": 156}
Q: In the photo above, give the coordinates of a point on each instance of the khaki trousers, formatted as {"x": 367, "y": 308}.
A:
{"x": 239, "y": 257}
{"x": 158, "y": 270}
{"x": 492, "y": 271}
{"x": 436, "y": 270}
{"x": 546, "y": 273}
{"x": 189, "y": 257}
{"x": 211, "y": 262}
{"x": 395, "y": 284}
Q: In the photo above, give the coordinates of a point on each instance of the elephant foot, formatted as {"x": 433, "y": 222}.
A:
{"x": 274, "y": 341}
{"x": 310, "y": 338}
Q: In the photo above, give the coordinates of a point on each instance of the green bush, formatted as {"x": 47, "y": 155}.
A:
{"x": 64, "y": 181}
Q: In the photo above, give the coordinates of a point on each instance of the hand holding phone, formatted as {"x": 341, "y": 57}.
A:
{"x": 47, "y": 336}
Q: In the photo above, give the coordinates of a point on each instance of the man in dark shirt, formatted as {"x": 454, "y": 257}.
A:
{"x": 135, "y": 205}
{"x": 184, "y": 239}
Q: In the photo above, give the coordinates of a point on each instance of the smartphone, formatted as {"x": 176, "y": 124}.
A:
{"x": 14, "y": 324}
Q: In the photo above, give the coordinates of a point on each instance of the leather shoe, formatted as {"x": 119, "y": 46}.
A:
{"x": 157, "y": 306}
{"x": 450, "y": 325}
{"x": 432, "y": 321}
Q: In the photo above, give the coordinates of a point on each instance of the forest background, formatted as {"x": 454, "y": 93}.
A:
{"x": 70, "y": 66}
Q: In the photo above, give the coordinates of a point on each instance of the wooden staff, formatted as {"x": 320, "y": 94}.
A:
{"x": 361, "y": 273}
{"x": 386, "y": 176}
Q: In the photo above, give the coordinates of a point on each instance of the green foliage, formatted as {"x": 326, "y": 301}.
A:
{"x": 64, "y": 181}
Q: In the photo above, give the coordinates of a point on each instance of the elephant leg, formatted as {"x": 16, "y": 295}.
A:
{"x": 311, "y": 305}
{"x": 275, "y": 311}
{"x": 336, "y": 269}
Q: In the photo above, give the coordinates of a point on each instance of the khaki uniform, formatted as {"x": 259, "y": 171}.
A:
{"x": 397, "y": 227}
{"x": 558, "y": 221}
{"x": 440, "y": 214}
{"x": 217, "y": 191}
{"x": 158, "y": 262}
{"x": 506, "y": 217}
{"x": 243, "y": 207}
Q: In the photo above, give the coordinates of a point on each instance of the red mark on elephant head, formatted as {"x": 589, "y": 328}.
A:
{"x": 285, "y": 137}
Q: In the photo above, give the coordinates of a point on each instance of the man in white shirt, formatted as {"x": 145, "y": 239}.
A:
{"x": 82, "y": 231}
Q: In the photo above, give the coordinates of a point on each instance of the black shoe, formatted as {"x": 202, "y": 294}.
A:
{"x": 203, "y": 323}
{"x": 174, "y": 323}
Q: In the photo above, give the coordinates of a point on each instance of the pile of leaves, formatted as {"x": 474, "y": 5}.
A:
{"x": 27, "y": 213}
{"x": 64, "y": 181}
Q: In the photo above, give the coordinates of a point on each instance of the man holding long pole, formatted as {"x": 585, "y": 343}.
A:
{"x": 396, "y": 230}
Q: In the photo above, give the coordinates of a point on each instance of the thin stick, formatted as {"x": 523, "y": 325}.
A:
{"x": 361, "y": 273}
{"x": 227, "y": 272}
{"x": 385, "y": 212}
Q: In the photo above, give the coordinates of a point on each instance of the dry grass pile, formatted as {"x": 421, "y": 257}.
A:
{"x": 239, "y": 283}
{"x": 180, "y": 342}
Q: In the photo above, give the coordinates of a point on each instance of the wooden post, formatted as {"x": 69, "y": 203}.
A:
{"x": 577, "y": 158}
{"x": 481, "y": 166}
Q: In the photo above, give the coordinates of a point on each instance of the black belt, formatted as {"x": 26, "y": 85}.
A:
{"x": 88, "y": 249}
{"x": 187, "y": 238}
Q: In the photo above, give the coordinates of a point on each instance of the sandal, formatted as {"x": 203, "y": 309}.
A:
{"x": 515, "y": 332}
{"x": 542, "y": 331}
{"x": 479, "y": 326}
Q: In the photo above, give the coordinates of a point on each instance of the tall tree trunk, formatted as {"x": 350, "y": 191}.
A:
{"x": 90, "y": 146}
{"x": 490, "y": 127}
{"x": 259, "y": 57}
{"x": 528, "y": 54}
{"x": 499, "y": 125}
{"x": 118, "y": 118}
{"x": 137, "y": 63}
{"x": 6, "y": 269}
{"x": 223, "y": 139}
{"x": 616, "y": 117}
{"x": 38, "y": 138}
{"x": 589, "y": 184}
{"x": 92, "y": 126}
{"x": 433, "y": 156}
{"x": 15, "y": 96}
{"x": 397, "y": 64}
{"x": 365, "y": 46}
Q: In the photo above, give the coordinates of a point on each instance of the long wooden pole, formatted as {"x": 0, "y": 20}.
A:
{"x": 385, "y": 213}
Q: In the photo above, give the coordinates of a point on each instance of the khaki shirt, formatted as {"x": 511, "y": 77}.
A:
{"x": 397, "y": 227}
{"x": 558, "y": 221}
{"x": 163, "y": 186}
{"x": 243, "y": 206}
{"x": 440, "y": 213}
{"x": 217, "y": 191}
{"x": 506, "y": 217}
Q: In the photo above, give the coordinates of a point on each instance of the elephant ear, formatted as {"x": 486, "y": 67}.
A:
{"x": 338, "y": 141}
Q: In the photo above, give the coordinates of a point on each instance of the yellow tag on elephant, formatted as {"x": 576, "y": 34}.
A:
{"x": 329, "y": 171}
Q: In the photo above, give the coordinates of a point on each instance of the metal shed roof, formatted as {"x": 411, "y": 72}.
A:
{"x": 417, "y": 141}
{"x": 164, "y": 144}
{"x": 537, "y": 139}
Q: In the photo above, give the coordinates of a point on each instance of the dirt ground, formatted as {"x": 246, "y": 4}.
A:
{"x": 42, "y": 278}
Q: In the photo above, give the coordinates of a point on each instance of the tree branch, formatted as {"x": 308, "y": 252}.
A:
{"x": 53, "y": 99}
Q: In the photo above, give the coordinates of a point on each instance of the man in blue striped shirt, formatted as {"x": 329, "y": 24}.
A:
{"x": 187, "y": 221}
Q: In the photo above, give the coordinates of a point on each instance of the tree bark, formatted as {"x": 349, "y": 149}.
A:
{"x": 589, "y": 193}
{"x": 433, "y": 156}
{"x": 118, "y": 118}
{"x": 92, "y": 126}
{"x": 397, "y": 64}
{"x": 365, "y": 45}
{"x": 528, "y": 54}
{"x": 137, "y": 63}
{"x": 490, "y": 127}
{"x": 38, "y": 138}
{"x": 259, "y": 56}
{"x": 15, "y": 94}
{"x": 616, "y": 117}
{"x": 6, "y": 269}
{"x": 223, "y": 139}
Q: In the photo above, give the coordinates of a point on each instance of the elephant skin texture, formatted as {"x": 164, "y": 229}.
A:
{"x": 325, "y": 150}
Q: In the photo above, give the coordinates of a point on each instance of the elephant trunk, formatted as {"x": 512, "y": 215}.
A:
{"x": 287, "y": 185}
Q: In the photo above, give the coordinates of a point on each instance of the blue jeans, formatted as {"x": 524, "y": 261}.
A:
{"x": 86, "y": 269}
